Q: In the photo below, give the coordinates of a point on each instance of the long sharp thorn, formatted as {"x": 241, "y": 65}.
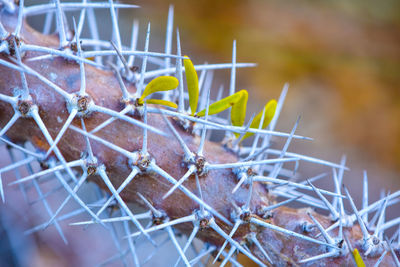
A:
{"x": 154, "y": 252}
{"x": 144, "y": 63}
{"x": 123, "y": 205}
{"x": 200, "y": 192}
{"x": 102, "y": 53}
{"x": 192, "y": 196}
{"x": 202, "y": 254}
{"x": 248, "y": 163}
{"x": 379, "y": 261}
{"x": 82, "y": 89}
{"x": 218, "y": 126}
{"x": 168, "y": 35}
{"x": 124, "y": 152}
{"x": 338, "y": 191}
{"x": 289, "y": 233}
{"x": 134, "y": 39}
{"x": 47, "y": 23}
{"x": 372, "y": 222}
{"x": 203, "y": 75}
{"x": 243, "y": 178}
{"x": 55, "y": 53}
{"x": 398, "y": 235}
{"x": 228, "y": 256}
{"x": 189, "y": 172}
{"x": 257, "y": 137}
{"x": 72, "y": 193}
{"x": 156, "y": 212}
{"x": 117, "y": 244}
{"x": 44, "y": 8}
{"x": 122, "y": 59}
{"x": 145, "y": 135}
{"x": 61, "y": 218}
{"x": 25, "y": 89}
{"x": 306, "y": 158}
{"x": 381, "y": 217}
{"x": 127, "y": 119}
{"x": 8, "y": 65}
{"x": 232, "y": 82}
{"x": 88, "y": 145}
{"x": 332, "y": 210}
{"x": 260, "y": 247}
{"x": 60, "y": 24}
{"x": 297, "y": 185}
{"x": 185, "y": 148}
{"x": 188, "y": 242}
{"x": 130, "y": 242}
{"x": 178, "y": 248}
{"x": 395, "y": 258}
{"x": 70, "y": 118}
{"x": 296, "y": 167}
{"x": 278, "y": 166}
{"x": 342, "y": 168}
{"x": 233, "y": 70}
{"x": 46, "y": 134}
{"x": 281, "y": 100}
{"x": 81, "y": 21}
{"x": 203, "y": 133}
{"x": 13, "y": 100}
{"x": 17, "y": 174}
{"x": 128, "y": 179}
{"x": 321, "y": 229}
{"x": 94, "y": 32}
{"x": 124, "y": 90}
{"x": 45, "y": 203}
{"x": 237, "y": 140}
{"x": 207, "y": 81}
{"x": 364, "y": 230}
{"x": 340, "y": 236}
{"x": 313, "y": 202}
{"x": 365, "y": 195}
{"x": 55, "y": 87}
{"x": 179, "y": 74}
{"x": 373, "y": 207}
{"x": 110, "y": 120}
{"x": 9, "y": 124}
{"x": 233, "y": 231}
{"x": 283, "y": 203}
{"x": 38, "y": 174}
{"x": 3, "y": 32}
{"x": 390, "y": 224}
{"x": 20, "y": 18}
{"x": 247, "y": 205}
{"x": 125, "y": 218}
{"x": 116, "y": 34}
{"x": 235, "y": 244}
{"x": 189, "y": 218}
{"x": 320, "y": 257}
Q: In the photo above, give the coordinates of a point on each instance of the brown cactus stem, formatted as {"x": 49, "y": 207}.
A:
{"x": 217, "y": 185}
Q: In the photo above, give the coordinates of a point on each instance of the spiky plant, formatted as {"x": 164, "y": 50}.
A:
{"x": 80, "y": 108}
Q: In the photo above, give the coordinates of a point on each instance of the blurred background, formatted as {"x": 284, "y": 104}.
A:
{"x": 341, "y": 58}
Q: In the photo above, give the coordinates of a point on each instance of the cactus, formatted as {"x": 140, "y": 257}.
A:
{"x": 84, "y": 108}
